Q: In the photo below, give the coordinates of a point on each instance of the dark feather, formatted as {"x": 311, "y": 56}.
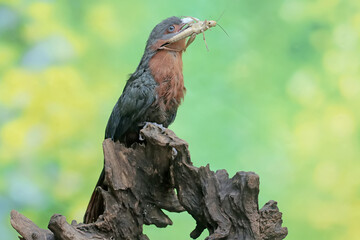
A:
{"x": 129, "y": 111}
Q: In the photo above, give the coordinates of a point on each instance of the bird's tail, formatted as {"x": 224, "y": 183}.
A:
{"x": 96, "y": 204}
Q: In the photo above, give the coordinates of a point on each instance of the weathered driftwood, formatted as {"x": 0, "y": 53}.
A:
{"x": 140, "y": 181}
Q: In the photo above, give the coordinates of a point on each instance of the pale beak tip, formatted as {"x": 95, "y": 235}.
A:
{"x": 188, "y": 20}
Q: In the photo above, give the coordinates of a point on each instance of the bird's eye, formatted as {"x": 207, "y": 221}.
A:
{"x": 171, "y": 28}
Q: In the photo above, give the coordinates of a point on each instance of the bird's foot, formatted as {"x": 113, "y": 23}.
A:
{"x": 156, "y": 124}
{"x": 141, "y": 138}
{"x": 160, "y": 126}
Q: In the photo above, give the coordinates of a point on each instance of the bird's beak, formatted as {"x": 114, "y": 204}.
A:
{"x": 181, "y": 33}
{"x": 185, "y": 21}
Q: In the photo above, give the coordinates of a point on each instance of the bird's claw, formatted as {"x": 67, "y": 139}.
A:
{"x": 160, "y": 126}
{"x": 174, "y": 153}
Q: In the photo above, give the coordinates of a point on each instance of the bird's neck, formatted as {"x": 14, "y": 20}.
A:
{"x": 166, "y": 68}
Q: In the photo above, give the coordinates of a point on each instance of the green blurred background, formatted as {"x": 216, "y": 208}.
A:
{"x": 280, "y": 97}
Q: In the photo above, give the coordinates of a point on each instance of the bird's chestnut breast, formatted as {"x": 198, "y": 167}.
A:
{"x": 166, "y": 68}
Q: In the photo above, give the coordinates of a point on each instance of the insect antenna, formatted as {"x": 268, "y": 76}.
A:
{"x": 223, "y": 29}
{"x": 220, "y": 15}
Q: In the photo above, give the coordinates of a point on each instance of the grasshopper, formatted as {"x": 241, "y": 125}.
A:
{"x": 195, "y": 26}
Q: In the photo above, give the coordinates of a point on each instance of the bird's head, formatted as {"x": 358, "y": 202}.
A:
{"x": 166, "y": 30}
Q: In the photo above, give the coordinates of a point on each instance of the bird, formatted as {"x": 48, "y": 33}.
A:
{"x": 152, "y": 93}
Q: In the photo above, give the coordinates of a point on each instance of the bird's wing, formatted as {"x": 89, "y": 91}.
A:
{"x": 137, "y": 97}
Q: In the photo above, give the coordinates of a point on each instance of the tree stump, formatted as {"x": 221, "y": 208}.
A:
{"x": 141, "y": 180}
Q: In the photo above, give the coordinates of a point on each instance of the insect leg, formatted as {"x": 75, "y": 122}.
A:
{"x": 205, "y": 40}
{"x": 191, "y": 39}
